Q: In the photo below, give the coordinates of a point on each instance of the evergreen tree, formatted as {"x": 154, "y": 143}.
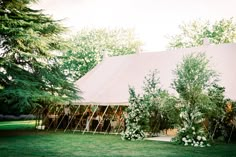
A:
{"x": 29, "y": 72}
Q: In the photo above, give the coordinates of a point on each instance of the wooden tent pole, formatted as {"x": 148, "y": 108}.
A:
{"x": 60, "y": 122}
{"x": 112, "y": 119}
{"x": 55, "y": 117}
{"x": 99, "y": 121}
{"x": 31, "y": 112}
{"x": 119, "y": 124}
{"x": 72, "y": 118}
{"x": 43, "y": 120}
{"x": 91, "y": 118}
{"x": 80, "y": 119}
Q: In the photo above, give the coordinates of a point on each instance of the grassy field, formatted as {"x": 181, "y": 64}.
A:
{"x": 51, "y": 144}
{"x": 17, "y": 125}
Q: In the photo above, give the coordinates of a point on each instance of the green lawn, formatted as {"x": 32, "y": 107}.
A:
{"x": 49, "y": 144}
{"x": 17, "y": 125}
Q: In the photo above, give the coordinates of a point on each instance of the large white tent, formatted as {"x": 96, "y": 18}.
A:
{"x": 108, "y": 82}
{"x": 106, "y": 87}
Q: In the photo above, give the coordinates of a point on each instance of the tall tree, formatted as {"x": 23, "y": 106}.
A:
{"x": 192, "y": 34}
{"x": 29, "y": 72}
{"x": 89, "y": 46}
{"x": 193, "y": 79}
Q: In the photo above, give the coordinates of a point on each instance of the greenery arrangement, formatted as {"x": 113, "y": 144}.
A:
{"x": 137, "y": 116}
{"x": 151, "y": 112}
{"x": 193, "y": 78}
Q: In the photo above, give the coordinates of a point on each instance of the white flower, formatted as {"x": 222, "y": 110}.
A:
{"x": 186, "y": 144}
{"x": 9, "y": 77}
{"x": 195, "y": 145}
{"x": 208, "y": 145}
{"x": 199, "y": 138}
{"x": 194, "y": 133}
{"x": 184, "y": 139}
{"x": 203, "y": 138}
{"x": 3, "y": 70}
{"x": 187, "y": 136}
{"x": 193, "y": 128}
{"x": 189, "y": 140}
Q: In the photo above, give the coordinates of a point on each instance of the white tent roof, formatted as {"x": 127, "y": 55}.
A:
{"x": 108, "y": 82}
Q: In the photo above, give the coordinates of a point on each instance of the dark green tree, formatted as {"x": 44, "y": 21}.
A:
{"x": 89, "y": 46}
{"x": 29, "y": 72}
{"x": 160, "y": 105}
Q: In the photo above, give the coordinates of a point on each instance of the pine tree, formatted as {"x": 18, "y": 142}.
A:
{"x": 29, "y": 72}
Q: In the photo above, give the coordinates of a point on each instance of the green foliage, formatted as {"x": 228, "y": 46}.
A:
{"x": 30, "y": 74}
{"x": 151, "y": 98}
{"x": 193, "y": 78}
{"x": 195, "y": 84}
{"x": 169, "y": 111}
{"x": 159, "y": 103}
{"x": 137, "y": 116}
{"x": 193, "y": 33}
{"x": 191, "y": 132}
{"x": 217, "y": 98}
{"x": 89, "y": 46}
{"x": 156, "y": 106}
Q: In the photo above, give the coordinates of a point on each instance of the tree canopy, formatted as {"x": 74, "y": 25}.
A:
{"x": 29, "y": 72}
{"x": 193, "y": 33}
{"x": 89, "y": 46}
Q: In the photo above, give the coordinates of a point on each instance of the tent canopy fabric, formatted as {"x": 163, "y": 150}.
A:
{"x": 109, "y": 81}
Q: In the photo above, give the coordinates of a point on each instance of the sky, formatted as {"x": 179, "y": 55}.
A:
{"x": 152, "y": 20}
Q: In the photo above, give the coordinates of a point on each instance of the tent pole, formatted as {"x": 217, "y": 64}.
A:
{"x": 51, "y": 121}
{"x": 99, "y": 121}
{"x": 80, "y": 119}
{"x": 91, "y": 118}
{"x": 119, "y": 125}
{"x": 112, "y": 119}
{"x": 43, "y": 120}
{"x": 230, "y": 134}
{"x": 55, "y": 113}
{"x": 60, "y": 122}
{"x": 31, "y": 112}
{"x": 72, "y": 118}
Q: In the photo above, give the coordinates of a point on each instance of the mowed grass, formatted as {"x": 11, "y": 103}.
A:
{"x": 17, "y": 125}
{"x": 51, "y": 144}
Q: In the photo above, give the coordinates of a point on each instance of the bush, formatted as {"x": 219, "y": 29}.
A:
{"x": 13, "y": 117}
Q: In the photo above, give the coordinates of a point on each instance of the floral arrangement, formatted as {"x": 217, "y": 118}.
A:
{"x": 192, "y": 132}
{"x": 137, "y": 115}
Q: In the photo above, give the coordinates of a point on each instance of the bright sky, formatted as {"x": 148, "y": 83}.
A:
{"x": 152, "y": 20}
